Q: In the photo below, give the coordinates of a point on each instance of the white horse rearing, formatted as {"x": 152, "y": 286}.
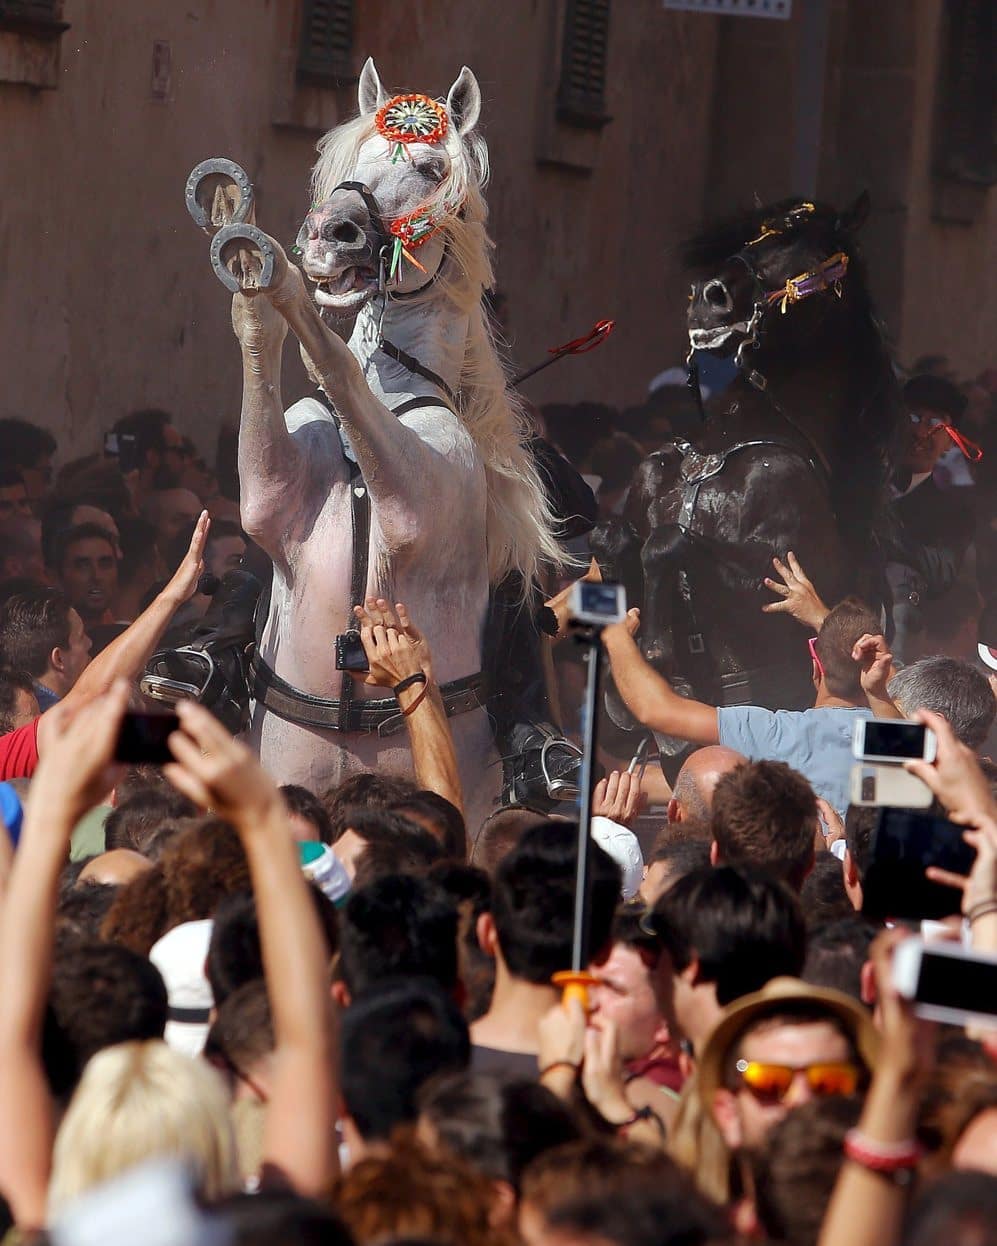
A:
{"x": 396, "y": 236}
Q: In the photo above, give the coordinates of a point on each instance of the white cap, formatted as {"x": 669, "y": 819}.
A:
{"x": 180, "y": 956}
{"x": 623, "y": 847}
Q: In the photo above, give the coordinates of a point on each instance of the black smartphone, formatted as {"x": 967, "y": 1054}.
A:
{"x": 903, "y": 845}
{"x": 143, "y": 736}
{"x": 350, "y": 653}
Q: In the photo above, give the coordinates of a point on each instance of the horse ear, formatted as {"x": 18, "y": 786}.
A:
{"x": 464, "y": 102}
{"x": 855, "y": 217}
{"x": 370, "y": 94}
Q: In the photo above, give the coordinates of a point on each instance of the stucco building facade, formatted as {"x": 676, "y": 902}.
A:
{"x": 107, "y": 300}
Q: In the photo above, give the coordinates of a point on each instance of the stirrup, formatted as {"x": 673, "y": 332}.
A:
{"x": 544, "y": 772}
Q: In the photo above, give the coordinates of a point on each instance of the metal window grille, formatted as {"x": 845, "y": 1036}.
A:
{"x": 326, "y": 54}
{"x": 584, "y": 58}
{"x": 966, "y": 149}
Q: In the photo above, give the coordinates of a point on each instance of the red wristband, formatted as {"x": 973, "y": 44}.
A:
{"x": 884, "y": 1157}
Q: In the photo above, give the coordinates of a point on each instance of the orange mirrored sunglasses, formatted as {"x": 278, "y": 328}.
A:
{"x": 773, "y": 1081}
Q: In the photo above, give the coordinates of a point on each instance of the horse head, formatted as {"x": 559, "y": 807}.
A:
{"x": 388, "y": 188}
{"x": 768, "y": 263}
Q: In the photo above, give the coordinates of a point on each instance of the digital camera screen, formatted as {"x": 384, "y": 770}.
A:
{"x": 600, "y": 599}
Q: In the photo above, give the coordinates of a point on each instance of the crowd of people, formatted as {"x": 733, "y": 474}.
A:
{"x": 245, "y": 1012}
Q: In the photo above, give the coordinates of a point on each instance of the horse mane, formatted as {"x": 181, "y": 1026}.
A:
{"x": 521, "y": 529}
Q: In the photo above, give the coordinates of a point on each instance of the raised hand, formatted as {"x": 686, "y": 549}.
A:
{"x": 218, "y": 772}
{"x": 618, "y": 797}
{"x": 183, "y": 584}
{"x": 955, "y": 776}
{"x": 77, "y": 766}
{"x": 800, "y": 599}
{"x": 395, "y": 648}
{"x": 876, "y": 661}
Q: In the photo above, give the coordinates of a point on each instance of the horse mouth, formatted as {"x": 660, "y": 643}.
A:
{"x": 347, "y": 291}
{"x": 717, "y": 337}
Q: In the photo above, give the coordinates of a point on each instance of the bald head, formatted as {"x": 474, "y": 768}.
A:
{"x": 115, "y": 868}
{"x": 692, "y": 795}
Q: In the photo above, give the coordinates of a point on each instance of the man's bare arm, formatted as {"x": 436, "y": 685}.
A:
{"x": 649, "y": 696}
{"x": 125, "y": 657}
{"x": 396, "y": 650}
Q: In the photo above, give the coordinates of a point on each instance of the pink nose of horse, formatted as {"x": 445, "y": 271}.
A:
{"x": 335, "y": 227}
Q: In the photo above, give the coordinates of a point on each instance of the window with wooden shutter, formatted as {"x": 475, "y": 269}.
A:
{"x": 966, "y": 147}
{"x": 33, "y": 17}
{"x": 584, "y": 58}
{"x": 326, "y": 54}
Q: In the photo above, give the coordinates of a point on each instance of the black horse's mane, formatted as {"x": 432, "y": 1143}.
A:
{"x": 722, "y": 238}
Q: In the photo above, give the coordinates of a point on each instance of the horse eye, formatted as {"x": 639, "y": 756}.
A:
{"x": 432, "y": 169}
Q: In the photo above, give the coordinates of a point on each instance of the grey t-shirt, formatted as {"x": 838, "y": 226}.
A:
{"x": 817, "y": 743}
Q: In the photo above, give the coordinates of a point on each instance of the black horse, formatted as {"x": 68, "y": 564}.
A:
{"x": 794, "y": 455}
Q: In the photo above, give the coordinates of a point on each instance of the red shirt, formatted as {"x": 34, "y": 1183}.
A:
{"x": 19, "y": 752}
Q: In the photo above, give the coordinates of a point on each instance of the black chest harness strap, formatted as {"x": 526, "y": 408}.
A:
{"x": 346, "y": 712}
{"x": 698, "y": 467}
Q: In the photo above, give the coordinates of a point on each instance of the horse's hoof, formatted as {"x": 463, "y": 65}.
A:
{"x": 218, "y": 193}
{"x": 243, "y": 258}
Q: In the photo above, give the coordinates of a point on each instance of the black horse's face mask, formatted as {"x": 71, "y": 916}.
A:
{"x": 791, "y": 258}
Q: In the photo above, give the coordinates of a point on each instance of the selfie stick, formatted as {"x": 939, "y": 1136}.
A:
{"x": 576, "y": 981}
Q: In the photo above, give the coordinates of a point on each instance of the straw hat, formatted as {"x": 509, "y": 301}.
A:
{"x": 775, "y": 995}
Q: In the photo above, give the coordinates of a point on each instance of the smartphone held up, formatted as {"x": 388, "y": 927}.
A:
{"x": 143, "y": 738}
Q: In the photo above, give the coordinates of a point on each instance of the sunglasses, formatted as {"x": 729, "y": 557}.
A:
{"x": 771, "y": 1082}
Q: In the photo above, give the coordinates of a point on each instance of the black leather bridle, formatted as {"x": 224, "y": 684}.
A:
{"x": 383, "y": 250}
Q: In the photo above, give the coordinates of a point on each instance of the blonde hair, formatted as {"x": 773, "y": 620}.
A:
{"x": 520, "y": 525}
{"x": 136, "y": 1101}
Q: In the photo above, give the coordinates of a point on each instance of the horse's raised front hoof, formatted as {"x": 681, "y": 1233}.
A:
{"x": 218, "y": 193}
{"x": 244, "y": 259}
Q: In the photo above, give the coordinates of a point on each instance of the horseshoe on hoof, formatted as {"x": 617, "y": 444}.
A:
{"x": 232, "y": 240}
{"x": 218, "y": 193}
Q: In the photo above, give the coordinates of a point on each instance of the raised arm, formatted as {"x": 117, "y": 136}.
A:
{"x": 867, "y": 1207}
{"x": 398, "y": 653}
{"x": 219, "y": 773}
{"x": 125, "y": 657}
{"x": 649, "y": 696}
{"x": 71, "y": 777}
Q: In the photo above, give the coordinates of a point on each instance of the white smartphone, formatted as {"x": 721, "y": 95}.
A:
{"x": 597, "y": 603}
{"x": 947, "y": 982}
{"x": 888, "y": 785}
{"x": 893, "y": 740}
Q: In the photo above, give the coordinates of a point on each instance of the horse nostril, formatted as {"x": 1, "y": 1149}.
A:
{"x": 715, "y": 293}
{"x": 346, "y": 232}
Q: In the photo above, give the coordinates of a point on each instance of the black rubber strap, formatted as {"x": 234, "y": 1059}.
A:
{"x": 418, "y": 678}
